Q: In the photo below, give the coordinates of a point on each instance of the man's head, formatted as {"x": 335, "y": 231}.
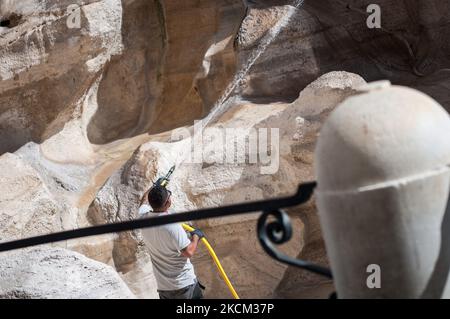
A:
{"x": 159, "y": 198}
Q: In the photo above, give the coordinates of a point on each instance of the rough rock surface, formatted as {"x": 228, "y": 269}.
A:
{"x": 58, "y": 273}
{"x": 328, "y": 35}
{"x": 76, "y": 103}
{"x": 49, "y": 66}
{"x": 27, "y": 207}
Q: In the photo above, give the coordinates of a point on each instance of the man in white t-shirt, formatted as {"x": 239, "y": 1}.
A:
{"x": 170, "y": 249}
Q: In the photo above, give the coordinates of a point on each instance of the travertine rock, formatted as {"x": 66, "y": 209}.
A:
{"x": 47, "y": 66}
{"x": 27, "y": 207}
{"x": 58, "y": 273}
{"x": 328, "y": 35}
{"x": 136, "y": 82}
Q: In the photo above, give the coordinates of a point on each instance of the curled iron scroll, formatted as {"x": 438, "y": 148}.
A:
{"x": 279, "y": 231}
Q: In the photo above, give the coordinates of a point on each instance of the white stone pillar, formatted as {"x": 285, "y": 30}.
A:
{"x": 382, "y": 166}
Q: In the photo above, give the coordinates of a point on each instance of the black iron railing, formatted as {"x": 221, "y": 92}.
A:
{"x": 270, "y": 233}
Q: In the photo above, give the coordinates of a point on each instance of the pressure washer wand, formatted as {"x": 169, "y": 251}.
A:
{"x": 164, "y": 181}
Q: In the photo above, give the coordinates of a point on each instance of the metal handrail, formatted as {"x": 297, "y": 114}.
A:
{"x": 276, "y": 232}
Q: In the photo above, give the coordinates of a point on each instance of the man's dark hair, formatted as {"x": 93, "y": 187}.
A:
{"x": 157, "y": 197}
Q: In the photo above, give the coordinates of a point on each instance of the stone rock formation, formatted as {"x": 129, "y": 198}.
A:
{"x": 97, "y": 98}
{"x": 26, "y": 274}
{"x": 27, "y": 207}
{"x": 327, "y": 35}
{"x": 65, "y": 71}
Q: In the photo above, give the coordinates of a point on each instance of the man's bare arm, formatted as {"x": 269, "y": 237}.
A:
{"x": 189, "y": 251}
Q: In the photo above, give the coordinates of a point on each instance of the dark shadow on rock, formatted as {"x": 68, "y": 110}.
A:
{"x": 28, "y": 114}
{"x": 436, "y": 85}
{"x": 129, "y": 85}
{"x": 438, "y": 280}
{"x": 161, "y": 80}
{"x": 409, "y": 45}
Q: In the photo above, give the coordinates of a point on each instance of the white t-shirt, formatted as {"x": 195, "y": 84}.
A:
{"x": 172, "y": 270}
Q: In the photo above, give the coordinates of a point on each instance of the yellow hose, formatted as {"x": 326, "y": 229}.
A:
{"x": 216, "y": 261}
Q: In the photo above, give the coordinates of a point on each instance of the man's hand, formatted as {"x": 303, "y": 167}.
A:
{"x": 198, "y": 232}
